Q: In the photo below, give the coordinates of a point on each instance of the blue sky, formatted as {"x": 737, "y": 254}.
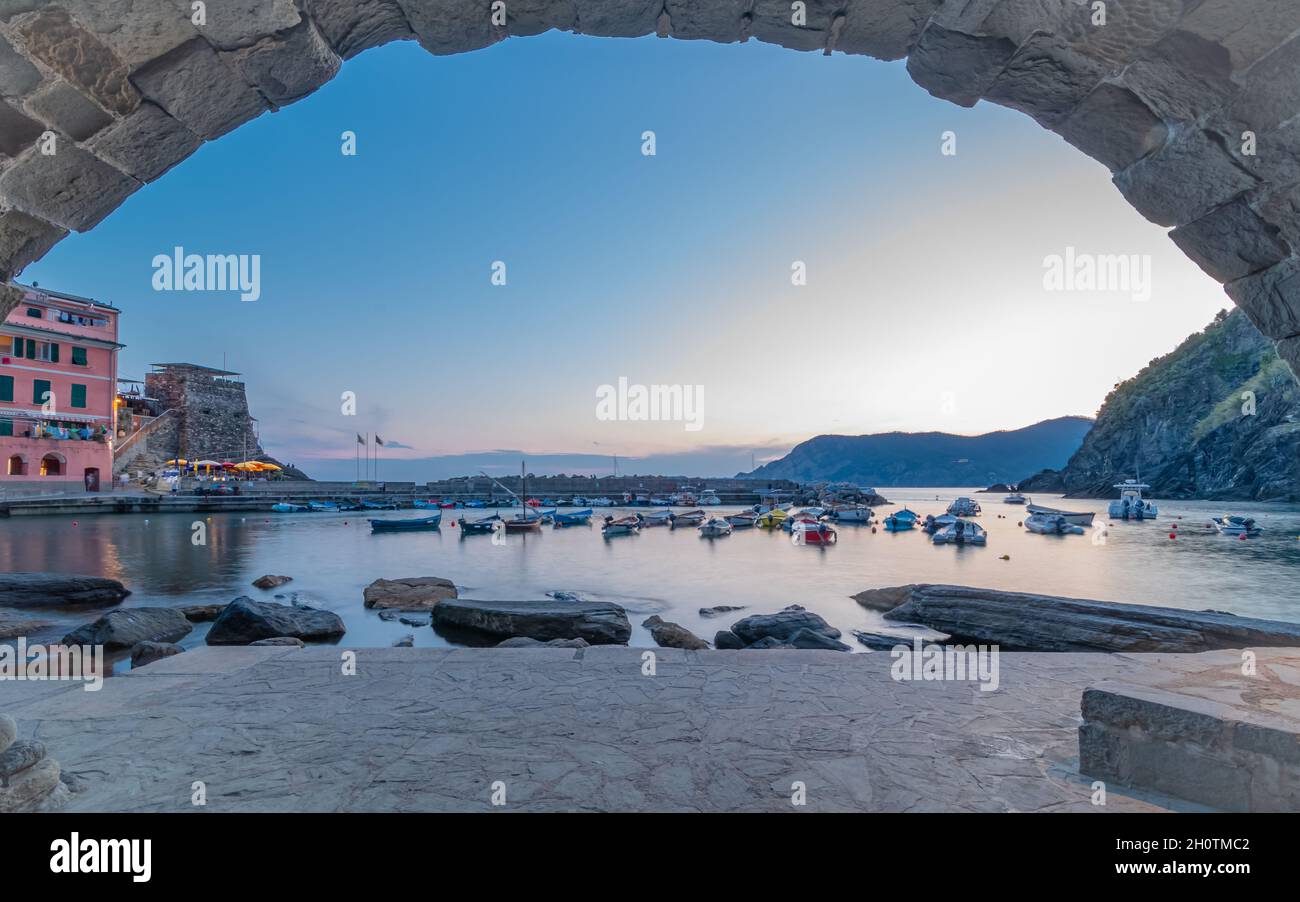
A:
{"x": 924, "y": 307}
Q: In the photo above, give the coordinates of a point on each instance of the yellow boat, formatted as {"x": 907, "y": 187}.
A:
{"x": 771, "y": 519}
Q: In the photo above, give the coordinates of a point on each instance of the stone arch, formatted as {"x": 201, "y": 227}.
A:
{"x": 1194, "y": 105}
{"x": 16, "y": 465}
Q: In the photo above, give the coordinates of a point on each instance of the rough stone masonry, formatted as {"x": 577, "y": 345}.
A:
{"x": 1194, "y": 105}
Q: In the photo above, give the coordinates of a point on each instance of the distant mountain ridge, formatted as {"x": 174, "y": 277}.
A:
{"x": 930, "y": 458}
{"x": 1216, "y": 418}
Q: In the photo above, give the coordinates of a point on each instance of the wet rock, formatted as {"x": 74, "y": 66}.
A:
{"x": 672, "y": 635}
{"x": 414, "y": 593}
{"x": 414, "y": 621}
{"x": 125, "y": 627}
{"x": 19, "y": 756}
{"x": 245, "y": 621}
{"x": 390, "y": 616}
{"x": 781, "y": 625}
{"x": 8, "y": 731}
{"x": 563, "y": 596}
{"x": 1021, "y": 621}
{"x": 886, "y": 642}
{"x": 720, "y": 609}
{"x": 407, "y": 641}
{"x": 271, "y": 581}
{"x": 202, "y": 613}
{"x": 143, "y": 653}
{"x": 280, "y": 640}
{"x": 727, "y": 639}
{"x": 806, "y": 638}
{"x": 599, "y": 623}
{"x": 30, "y": 788}
{"x": 525, "y": 642}
{"x": 32, "y": 590}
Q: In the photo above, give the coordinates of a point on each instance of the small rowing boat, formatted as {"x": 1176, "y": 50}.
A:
{"x": 433, "y": 522}
{"x": 623, "y": 526}
{"x": 714, "y": 528}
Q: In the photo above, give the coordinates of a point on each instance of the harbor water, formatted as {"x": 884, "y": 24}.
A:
{"x": 672, "y": 573}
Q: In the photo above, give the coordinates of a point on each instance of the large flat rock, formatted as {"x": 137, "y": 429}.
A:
{"x": 1021, "y": 621}
{"x": 34, "y": 590}
{"x": 600, "y": 623}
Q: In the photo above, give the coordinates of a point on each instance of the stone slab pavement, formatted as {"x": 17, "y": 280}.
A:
{"x": 424, "y": 729}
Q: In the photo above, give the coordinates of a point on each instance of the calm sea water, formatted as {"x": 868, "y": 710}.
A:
{"x": 673, "y": 573}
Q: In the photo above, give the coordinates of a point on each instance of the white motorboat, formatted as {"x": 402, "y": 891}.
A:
{"x": 658, "y": 518}
{"x": 851, "y": 513}
{"x": 690, "y": 518}
{"x": 1014, "y": 498}
{"x": 933, "y": 524}
{"x": 1051, "y": 524}
{"x": 579, "y": 501}
{"x": 964, "y": 507}
{"x": 961, "y": 532}
{"x": 714, "y": 527}
{"x": 1236, "y": 526}
{"x": 1131, "y": 505}
{"x": 741, "y": 520}
{"x": 709, "y": 497}
{"x": 1077, "y": 518}
{"x": 600, "y": 502}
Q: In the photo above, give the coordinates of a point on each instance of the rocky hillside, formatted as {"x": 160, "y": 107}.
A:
{"x": 1186, "y": 422}
{"x": 929, "y": 458}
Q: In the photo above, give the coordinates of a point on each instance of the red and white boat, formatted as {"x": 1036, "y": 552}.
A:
{"x": 813, "y": 532}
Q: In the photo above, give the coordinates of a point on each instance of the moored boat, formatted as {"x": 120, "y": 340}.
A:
{"x": 933, "y": 524}
{"x": 423, "y": 504}
{"x": 813, "y": 532}
{"x": 709, "y": 497}
{"x": 1014, "y": 498}
{"x": 1076, "y": 518}
{"x": 900, "y": 521}
{"x": 772, "y": 519}
{"x": 714, "y": 528}
{"x": 850, "y": 513}
{"x": 323, "y": 507}
{"x": 690, "y": 518}
{"x": 372, "y": 505}
{"x": 433, "y": 522}
{"x": 284, "y": 507}
{"x": 480, "y": 527}
{"x": 1130, "y": 504}
{"x": 961, "y": 532}
{"x": 1051, "y": 524}
{"x": 742, "y": 520}
{"x": 1236, "y": 526}
{"x": 658, "y": 518}
{"x": 964, "y": 507}
{"x": 574, "y": 518}
{"x": 623, "y": 526}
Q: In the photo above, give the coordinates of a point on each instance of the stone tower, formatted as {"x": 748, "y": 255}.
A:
{"x": 210, "y": 410}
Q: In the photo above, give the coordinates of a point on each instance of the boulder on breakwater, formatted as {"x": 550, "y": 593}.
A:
{"x": 127, "y": 627}
{"x": 672, "y": 635}
{"x": 1024, "y": 621}
{"x": 245, "y": 621}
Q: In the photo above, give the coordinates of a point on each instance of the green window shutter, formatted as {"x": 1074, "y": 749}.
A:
{"x": 54, "y": 352}
{"x": 6, "y": 388}
{"x": 78, "y": 395}
{"x": 40, "y": 388}
{"x": 18, "y": 346}
{"x": 79, "y": 356}
{"x": 31, "y": 349}
{"x": 6, "y": 427}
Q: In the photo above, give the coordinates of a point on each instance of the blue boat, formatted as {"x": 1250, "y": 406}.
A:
{"x": 433, "y": 522}
{"x": 286, "y": 508}
{"x": 427, "y": 505}
{"x": 323, "y": 506}
{"x": 370, "y": 505}
{"x": 573, "y": 518}
{"x": 475, "y": 503}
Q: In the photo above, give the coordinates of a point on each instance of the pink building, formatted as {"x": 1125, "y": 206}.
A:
{"x": 58, "y": 392}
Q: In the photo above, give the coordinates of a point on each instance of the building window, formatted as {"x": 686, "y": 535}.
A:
{"x": 79, "y": 356}
{"x": 31, "y": 349}
{"x": 47, "y": 352}
{"x": 40, "y": 391}
{"x": 17, "y": 346}
{"x": 51, "y": 466}
{"x": 6, "y": 427}
{"x": 17, "y": 466}
{"x": 7, "y": 389}
{"x": 78, "y": 395}
{"x": 36, "y": 312}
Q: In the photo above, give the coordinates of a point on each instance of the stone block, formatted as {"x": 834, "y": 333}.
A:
{"x": 1046, "y": 80}
{"x": 71, "y": 188}
{"x": 1247, "y": 35}
{"x": 451, "y": 26}
{"x": 1271, "y": 94}
{"x": 66, "y": 109}
{"x": 1231, "y": 241}
{"x": 24, "y": 239}
{"x": 198, "y": 89}
{"x": 17, "y": 130}
{"x": 956, "y": 66}
{"x": 147, "y": 143}
{"x": 136, "y": 30}
{"x": 1271, "y": 298}
{"x": 17, "y": 75}
{"x": 287, "y": 67}
{"x": 888, "y": 31}
{"x": 54, "y": 38}
{"x": 1113, "y": 125}
{"x": 1183, "y": 77}
{"x": 1185, "y": 179}
{"x": 232, "y": 24}
{"x": 615, "y": 18}
{"x": 352, "y": 26}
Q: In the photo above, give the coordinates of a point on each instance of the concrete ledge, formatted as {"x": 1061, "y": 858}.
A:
{"x": 1232, "y": 754}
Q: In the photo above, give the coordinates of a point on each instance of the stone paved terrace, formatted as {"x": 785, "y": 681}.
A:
{"x": 281, "y": 729}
